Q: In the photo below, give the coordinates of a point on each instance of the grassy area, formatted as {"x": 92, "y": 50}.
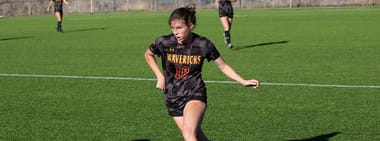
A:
{"x": 287, "y": 46}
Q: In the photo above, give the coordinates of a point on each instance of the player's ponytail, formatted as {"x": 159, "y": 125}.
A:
{"x": 191, "y": 7}
{"x": 186, "y": 14}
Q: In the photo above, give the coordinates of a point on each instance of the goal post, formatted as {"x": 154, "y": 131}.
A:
{"x": 91, "y": 9}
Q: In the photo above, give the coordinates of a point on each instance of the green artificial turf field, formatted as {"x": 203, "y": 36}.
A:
{"x": 319, "y": 70}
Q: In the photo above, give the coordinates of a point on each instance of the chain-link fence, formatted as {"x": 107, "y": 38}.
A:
{"x": 38, "y": 7}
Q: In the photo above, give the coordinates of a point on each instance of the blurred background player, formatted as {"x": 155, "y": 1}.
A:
{"x": 182, "y": 55}
{"x": 226, "y": 14}
{"x": 58, "y": 11}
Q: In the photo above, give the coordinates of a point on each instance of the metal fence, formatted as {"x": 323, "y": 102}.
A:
{"x": 38, "y": 7}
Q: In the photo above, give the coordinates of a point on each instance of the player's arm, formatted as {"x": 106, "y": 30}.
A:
{"x": 66, "y": 2}
{"x": 151, "y": 60}
{"x": 49, "y": 6}
{"x": 230, "y": 72}
{"x": 217, "y": 3}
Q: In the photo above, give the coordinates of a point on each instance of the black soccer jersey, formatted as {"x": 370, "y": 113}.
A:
{"x": 182, "y": 67}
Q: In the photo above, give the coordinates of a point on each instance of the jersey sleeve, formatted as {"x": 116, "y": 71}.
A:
{"x": 212, "y": 52}
{"x": 156, "y": 47}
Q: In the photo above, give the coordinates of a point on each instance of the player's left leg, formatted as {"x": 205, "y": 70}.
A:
{"x": 190, "y": 123}
{"x": 59, "y": 19}
{"x": 201, "y": 136}
{"x": 61, "y": 13}
{"x": 226, "y": 27}
{"x": 229, "y": 29}
{"x": 227, "y": 23}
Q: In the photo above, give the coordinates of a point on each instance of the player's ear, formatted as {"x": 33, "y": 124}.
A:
{"x": 191, "y": 26}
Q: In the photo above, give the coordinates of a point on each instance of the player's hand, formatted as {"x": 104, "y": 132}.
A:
{"x": 48, "y": 9}
{"x": 252, "y": 83}
{"x": 160, "y": 84}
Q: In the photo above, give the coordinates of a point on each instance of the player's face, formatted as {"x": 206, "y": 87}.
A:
{"x": 181, "y": 31}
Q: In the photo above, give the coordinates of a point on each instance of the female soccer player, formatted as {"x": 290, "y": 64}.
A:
{"x": 182, "y": 55}
{"x": 226, "y": 14}
{"x": 58, "y": 11}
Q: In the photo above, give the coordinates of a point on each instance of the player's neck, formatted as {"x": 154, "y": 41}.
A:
{"x": 189, "y": 40}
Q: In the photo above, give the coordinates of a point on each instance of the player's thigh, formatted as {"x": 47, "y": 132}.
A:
{"x": 58, "y": 15}
{"x": 193, "y": 113}
{"x": 225, "y": 22}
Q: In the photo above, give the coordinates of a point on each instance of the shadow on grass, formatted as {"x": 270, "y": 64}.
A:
{"x": 141, "y": 140}
{"x": 16, "y": 38}
{"x": 85, "y": 29}
{"x": 261, "y": 44}
{"x": 324, "y": 137}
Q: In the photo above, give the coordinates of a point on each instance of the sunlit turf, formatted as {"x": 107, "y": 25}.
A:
{"x": 335, "y": 46}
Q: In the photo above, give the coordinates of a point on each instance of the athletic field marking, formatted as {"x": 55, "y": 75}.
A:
{"x": 152, "y": 79}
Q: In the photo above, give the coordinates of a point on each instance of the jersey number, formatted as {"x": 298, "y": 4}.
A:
{"x": 182, "y": 72}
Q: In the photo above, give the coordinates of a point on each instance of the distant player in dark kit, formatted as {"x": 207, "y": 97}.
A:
{"x": 182, "y": 55}
{"x": 226, "y": 14}
{"x": 58, "y": 11}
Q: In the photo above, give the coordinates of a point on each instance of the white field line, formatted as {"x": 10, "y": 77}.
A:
{"x": 152, "y": 79}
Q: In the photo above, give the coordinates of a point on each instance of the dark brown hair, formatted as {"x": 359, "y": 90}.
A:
{"x": 186, "y": 14}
